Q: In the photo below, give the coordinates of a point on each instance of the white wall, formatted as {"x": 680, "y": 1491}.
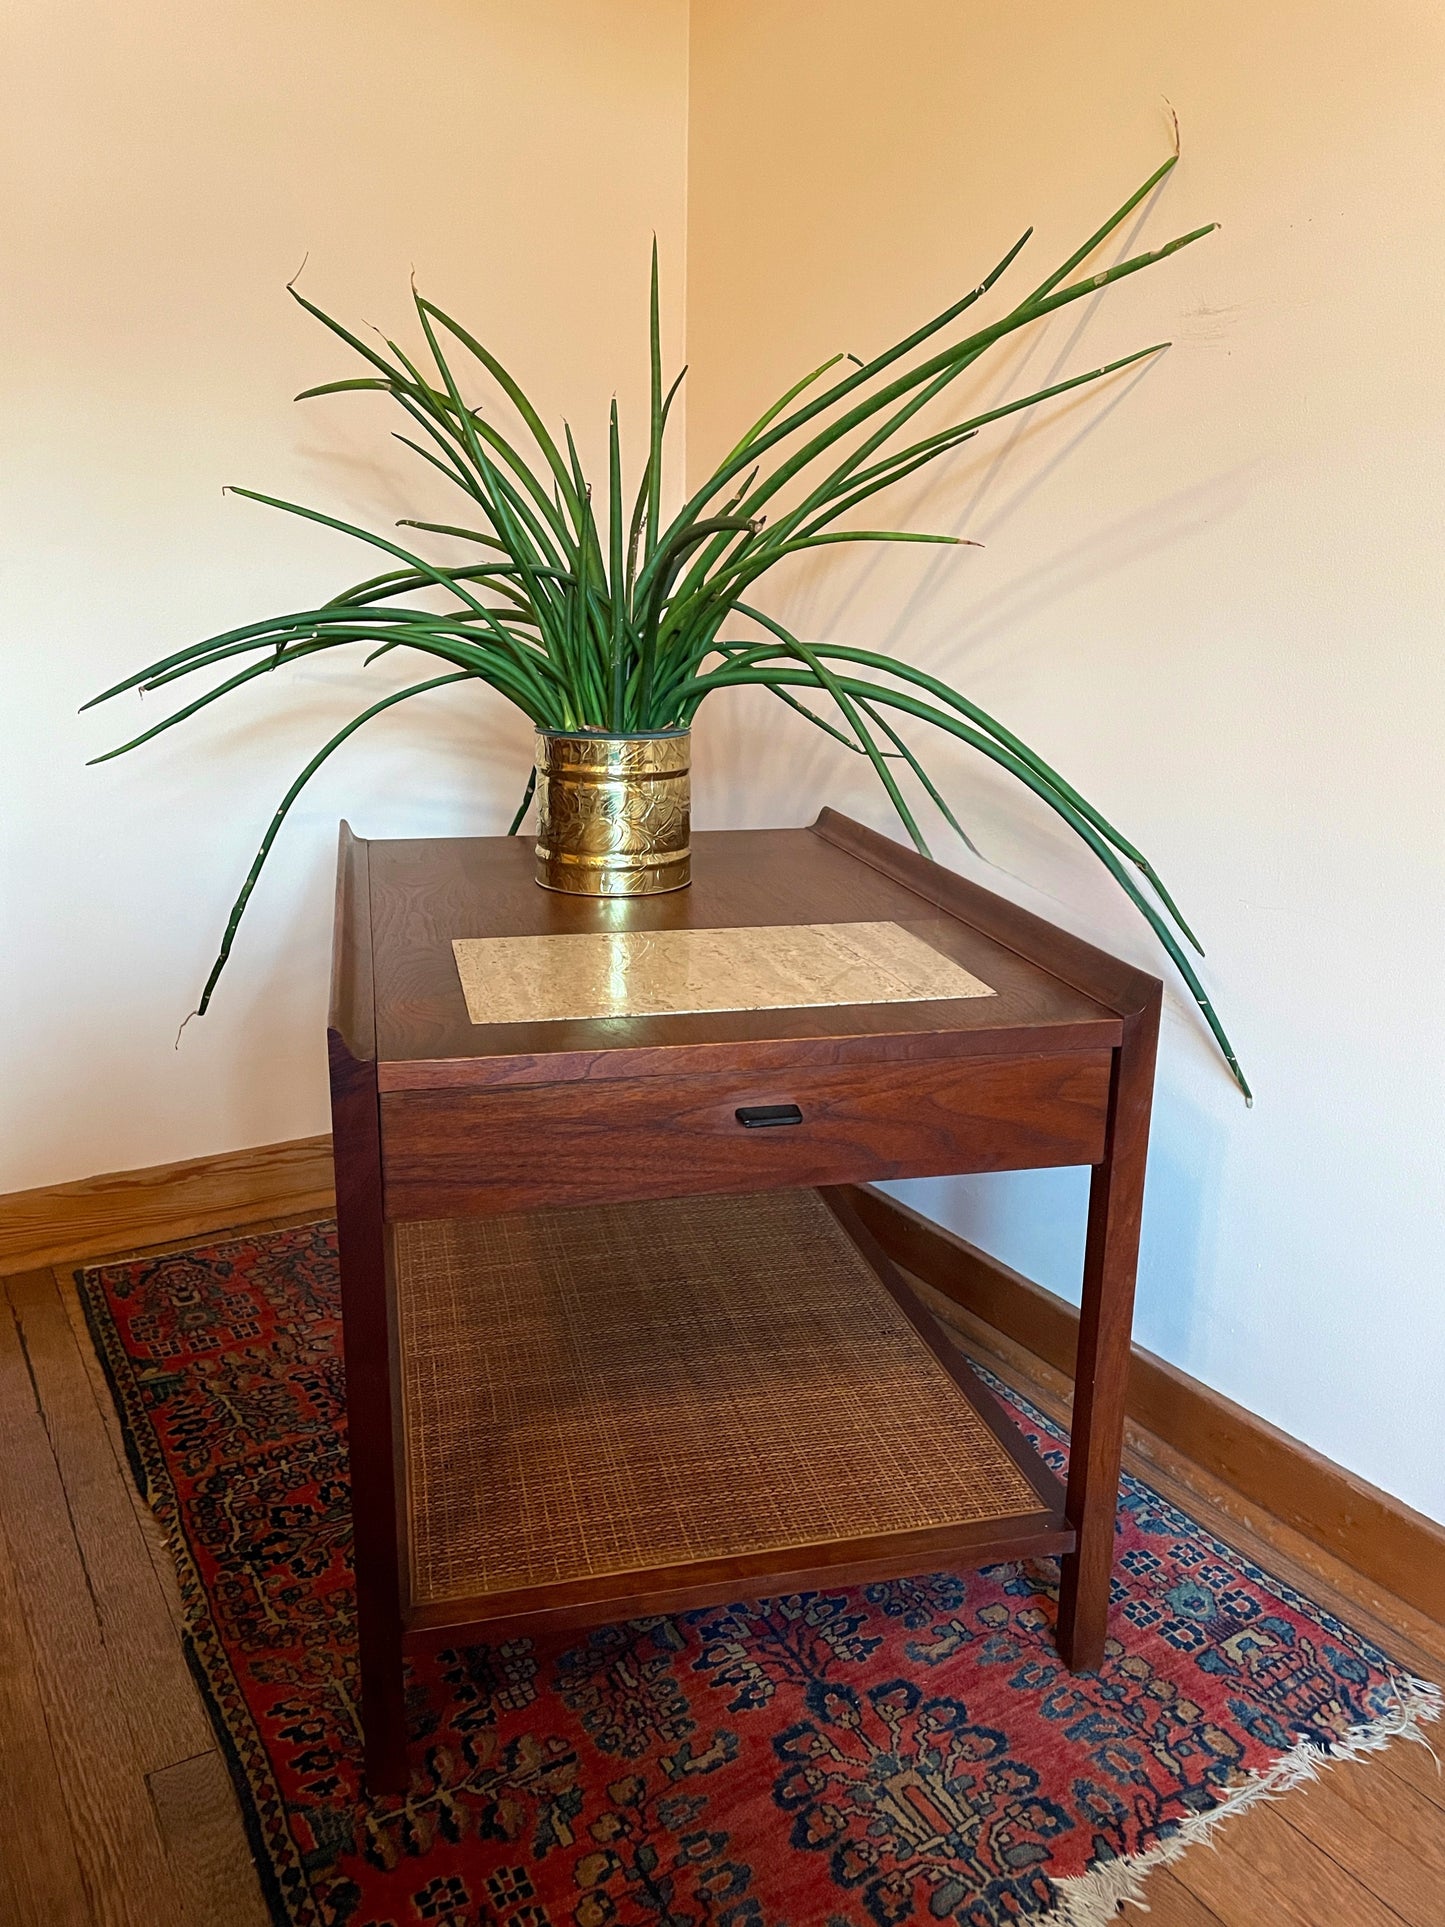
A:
{"x": 166, "y": 167}
{"x": 1210, "y": 595}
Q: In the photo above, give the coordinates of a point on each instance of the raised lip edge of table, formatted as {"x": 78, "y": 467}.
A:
{"x": 1111, "y": 1252}
{"x": 778, "y": 1570}
{"x": 485, "y": 1057}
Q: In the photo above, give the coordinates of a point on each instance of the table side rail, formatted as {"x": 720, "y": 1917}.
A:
{"x": 452, "y": 1153}
{"x": 744, "y": 1056}
{"x": 666, "y": 1589}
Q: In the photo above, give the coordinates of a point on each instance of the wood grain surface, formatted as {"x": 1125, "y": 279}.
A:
{"x": 200, "y": 1821}
{"x": 167, "y": 1722}
{"x": 1101, "y": 1358}
{"x": 104, "y": 1811}
{"x": 41, "y": 1884}
{"x": 368, "y": 1312}
{"x": 1064, "y": 958}
{"x": 423, "y": 894}
{"x": 453, "y": 1152}
{"x": 123, "y": 1210}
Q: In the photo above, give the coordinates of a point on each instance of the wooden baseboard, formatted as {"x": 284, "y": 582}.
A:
{"x": 1381, "y": 1538}
{"x": 124, "y": 1210}
{"x": 1395, "y": 1546}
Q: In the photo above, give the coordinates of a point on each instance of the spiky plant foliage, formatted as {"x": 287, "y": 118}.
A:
{"x": 609, "y": 615}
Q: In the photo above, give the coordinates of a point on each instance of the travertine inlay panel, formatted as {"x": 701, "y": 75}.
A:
{"x": 662, "y": 973}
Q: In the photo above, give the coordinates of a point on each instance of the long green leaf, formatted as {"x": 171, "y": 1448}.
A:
{"x": 655, "y": 416}
{"x": 615, "y": 541}
{"x": 512, "y": 390}
{"x": 639, "y": 506}
{"x": 942, "y": 692}
{"x": 238, "y": 909}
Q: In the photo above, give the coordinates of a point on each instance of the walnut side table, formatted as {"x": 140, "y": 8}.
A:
{"x": 559, "y": 1417}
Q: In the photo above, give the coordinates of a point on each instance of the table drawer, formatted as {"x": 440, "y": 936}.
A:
{"x": 452, "y": 1152}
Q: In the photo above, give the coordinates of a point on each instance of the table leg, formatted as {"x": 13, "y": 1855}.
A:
{"x": 366, "y": 1330}
{"x": 1101, "y": 1375}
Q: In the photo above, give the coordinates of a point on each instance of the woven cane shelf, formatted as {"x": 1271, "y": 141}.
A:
{"x": 668, "y": 1384}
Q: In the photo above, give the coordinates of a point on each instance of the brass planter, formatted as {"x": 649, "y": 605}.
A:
{"x": 613, "y": 812}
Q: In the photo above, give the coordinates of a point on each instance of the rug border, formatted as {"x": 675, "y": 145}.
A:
{"x": 153, "y": 1482}
{"x": 1288, "y": 1593}
{"x": 1090, "y": 1899}
{"x": 1098, "y": 1896}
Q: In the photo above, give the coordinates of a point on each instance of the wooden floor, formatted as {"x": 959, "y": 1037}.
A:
{"x": 116, "y": 1808}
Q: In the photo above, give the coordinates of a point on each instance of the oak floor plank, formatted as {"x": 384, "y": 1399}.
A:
{"x": 40, "y": 1883}
{"x": 162, "y": 1562}
{"x": 1236, "y": 1893}
{"x": 202, "y": 1828}
{"x": 1259, "y": 1853}
{"x": 9, "y": 1895}
{"x": 1318, "y": 1891}
{"x": 1390, "y": 1839}
{"x": 1397, "y": 1810}
{"x": 168, "y": 1722}
{"x": 1171, "y": 1904}
{"x": 1420, "y": 1767}
{"x": 122, "y": 1861}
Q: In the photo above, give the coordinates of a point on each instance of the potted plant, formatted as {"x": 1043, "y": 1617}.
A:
{"x": 603, "y": 620}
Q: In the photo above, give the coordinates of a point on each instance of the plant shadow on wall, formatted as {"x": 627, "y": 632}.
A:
{"x": 986, "y": 472}
{"x": 966, "y": 496}
{"x": 596, "y": 613}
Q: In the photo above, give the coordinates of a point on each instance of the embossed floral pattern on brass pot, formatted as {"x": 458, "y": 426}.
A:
{"x": 613, "y": 812}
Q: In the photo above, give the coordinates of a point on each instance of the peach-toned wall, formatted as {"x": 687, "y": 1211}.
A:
{"x": 166, "y": 167}
{"x": 1211, "y": 595}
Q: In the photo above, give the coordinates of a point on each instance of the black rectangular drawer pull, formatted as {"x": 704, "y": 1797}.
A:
{"x": 755, "y": 1116}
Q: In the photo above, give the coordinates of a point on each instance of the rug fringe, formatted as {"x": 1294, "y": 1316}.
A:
{"x": 1099, "y": 1896}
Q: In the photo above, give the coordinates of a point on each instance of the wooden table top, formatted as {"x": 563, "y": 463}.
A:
{"x": 424, "y": 893}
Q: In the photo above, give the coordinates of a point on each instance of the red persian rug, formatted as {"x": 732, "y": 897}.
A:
{"x": 906, "y": 1752}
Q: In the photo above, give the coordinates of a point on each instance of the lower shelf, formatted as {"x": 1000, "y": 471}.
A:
{"x": 669, "y": 1401}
